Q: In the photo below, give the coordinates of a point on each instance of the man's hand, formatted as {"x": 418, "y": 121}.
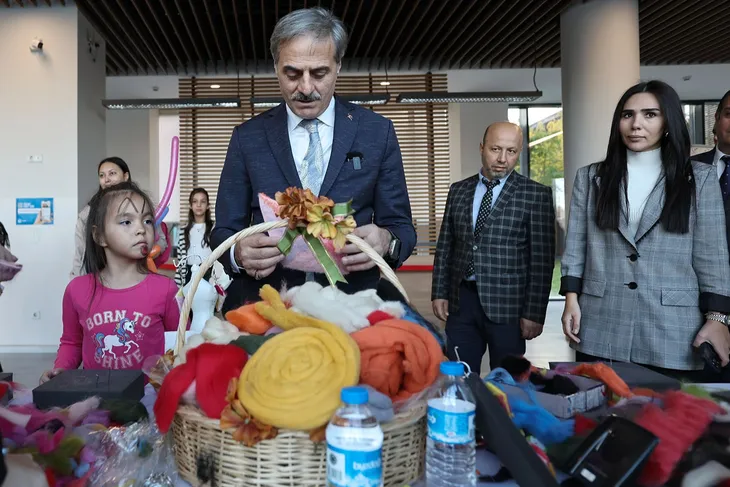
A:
{"x": 530, "y": 329}
{"x": 719, "y": 337}
{"x": 440, "y": 308}
{"x": 378, "y": 238}
{"x": 258, "y": 255}
{"x": 6, "y": 255}
{"x": 7, "y": 272}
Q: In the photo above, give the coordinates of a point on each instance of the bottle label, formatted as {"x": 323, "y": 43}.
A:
{"x": 455, "y": 428}
{"x": 347, "y": 468}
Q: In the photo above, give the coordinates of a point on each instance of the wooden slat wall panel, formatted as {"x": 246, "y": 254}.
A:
{"x": 422, "y": 130}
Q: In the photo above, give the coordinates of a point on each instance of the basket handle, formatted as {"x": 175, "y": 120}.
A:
{"x": 361, "y": 244}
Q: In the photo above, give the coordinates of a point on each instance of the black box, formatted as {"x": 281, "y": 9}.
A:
{"x": 6, "y": 377}
{"x": 72, "y": 386}
{"x": 636, "y": 376}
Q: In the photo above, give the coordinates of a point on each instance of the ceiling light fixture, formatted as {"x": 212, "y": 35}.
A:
{"x": 469, "y": 97}
{"x": 266, "y": 101}
{"x": 215, "y": 87}
{"x": 355, "y": 99}
{"x": 385, "y": 83}
{"x": 171, "y": 103}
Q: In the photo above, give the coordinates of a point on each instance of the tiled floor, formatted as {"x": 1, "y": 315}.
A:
{"x": 551, "y": 345}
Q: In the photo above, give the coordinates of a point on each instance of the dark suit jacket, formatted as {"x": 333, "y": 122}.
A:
{"x": 513, "y": 257}
{"x": 708, "y": 158}
{"x": 259, "y": 160}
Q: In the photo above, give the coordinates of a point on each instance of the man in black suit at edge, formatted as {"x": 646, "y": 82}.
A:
{"x": 720, "y": 158}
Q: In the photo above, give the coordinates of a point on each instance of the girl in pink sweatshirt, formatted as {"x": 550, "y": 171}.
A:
{"x": 115, "y": 316}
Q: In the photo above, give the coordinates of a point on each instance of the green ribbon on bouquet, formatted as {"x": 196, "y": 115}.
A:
{"x": 315, "y": 244}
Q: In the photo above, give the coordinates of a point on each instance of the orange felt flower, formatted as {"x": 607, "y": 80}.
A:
{"x": 321, "y": 223}
{"x": 246, "y": 429}
{"x": 293, "y": 204}
{"x": 344, "y": 227}
{"x": 318, "y": 435}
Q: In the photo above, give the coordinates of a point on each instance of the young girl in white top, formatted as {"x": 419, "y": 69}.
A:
{"x": 194, "y": 242}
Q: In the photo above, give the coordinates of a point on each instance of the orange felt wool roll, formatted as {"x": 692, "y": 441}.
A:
{"x": 398, "y": 358}
{"x": 247, "y": 319}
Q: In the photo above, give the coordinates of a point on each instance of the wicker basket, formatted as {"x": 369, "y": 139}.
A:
{"x": 290, "y": 459}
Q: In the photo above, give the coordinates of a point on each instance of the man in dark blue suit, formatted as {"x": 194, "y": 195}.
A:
{"x": 719, "y": 156}
{"x": 314, "y": 140}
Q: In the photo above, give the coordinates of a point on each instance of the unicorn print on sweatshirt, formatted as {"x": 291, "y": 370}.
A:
{"x": 122, "y": 337}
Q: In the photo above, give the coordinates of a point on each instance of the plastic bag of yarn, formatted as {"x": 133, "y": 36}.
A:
{"x": 136, "y": 455}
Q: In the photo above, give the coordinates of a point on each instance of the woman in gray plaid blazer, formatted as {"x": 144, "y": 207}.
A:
{"x": 645, "y": 269}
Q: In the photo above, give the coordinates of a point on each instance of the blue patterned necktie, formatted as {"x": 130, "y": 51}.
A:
{"x": 725, "y": 178}
{"x": 313, "y": 164}
{"x": 485, "y": 208}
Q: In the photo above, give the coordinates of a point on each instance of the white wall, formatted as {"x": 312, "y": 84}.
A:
{"x": 128, "y": 137}
{"x": 467, "y": 122}
{"x": 143, "y": 137}
{"x": 91, "y": 113}
{"x": 40, "y": 116}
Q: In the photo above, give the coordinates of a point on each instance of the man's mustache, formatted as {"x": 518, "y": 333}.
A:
{"x": 314, "y": 96}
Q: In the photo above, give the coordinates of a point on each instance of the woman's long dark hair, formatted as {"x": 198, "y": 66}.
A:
{"x": 191, "y": 219}
{"x": 94, "y": 256}
{"x": 4, "y": 238}
{"x": 675, "y": 153}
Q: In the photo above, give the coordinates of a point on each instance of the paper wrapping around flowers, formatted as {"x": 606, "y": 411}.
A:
{"x": 300, "y": 258}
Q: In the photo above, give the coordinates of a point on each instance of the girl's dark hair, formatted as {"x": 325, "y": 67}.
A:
{"x": 679, "y": 182}
{"x": 191, "y": 219}
{"x": 119, "y": 162}
{"x": 4, "y": 238}
{"x": 94, "y": 256}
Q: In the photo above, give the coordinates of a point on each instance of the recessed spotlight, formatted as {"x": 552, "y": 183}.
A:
{"x": 215, "y": 87}
{"x": 385, "y": 83}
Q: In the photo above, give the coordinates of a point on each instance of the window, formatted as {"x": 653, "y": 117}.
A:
{"x": 700, "y": 117}
{"x": 422, "y": 130}
{"x": 542, "y": 161}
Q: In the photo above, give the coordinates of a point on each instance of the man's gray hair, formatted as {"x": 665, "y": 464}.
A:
{"x": 317, "y": 23}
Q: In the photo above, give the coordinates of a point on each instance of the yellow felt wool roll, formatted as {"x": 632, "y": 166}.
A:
{"x": 294, "y": 380}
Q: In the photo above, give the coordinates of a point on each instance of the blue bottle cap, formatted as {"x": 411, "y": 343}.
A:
{"x": 452, "y": 368}
{"x": 354, "y": 395}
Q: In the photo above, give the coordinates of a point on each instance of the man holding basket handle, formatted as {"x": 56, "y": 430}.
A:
{"x": 319, "y": 142}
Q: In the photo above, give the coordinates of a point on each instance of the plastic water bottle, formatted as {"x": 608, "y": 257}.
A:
{"x": 354, "y": 443}
{"x": 450, "y": 444}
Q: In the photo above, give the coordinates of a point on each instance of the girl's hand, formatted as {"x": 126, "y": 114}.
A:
{"x": 571, "y": 317}
{"x": 50, "y": 374}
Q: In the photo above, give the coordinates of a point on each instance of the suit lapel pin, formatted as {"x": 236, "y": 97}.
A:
{"x": 349, "y": 115}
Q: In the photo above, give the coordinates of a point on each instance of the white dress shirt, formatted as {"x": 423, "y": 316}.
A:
{"x": 718, "y": 162}
{"x": 299, "y": 142}
{"x": 481, "y": 191}
{"x": 299, "y": 137}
